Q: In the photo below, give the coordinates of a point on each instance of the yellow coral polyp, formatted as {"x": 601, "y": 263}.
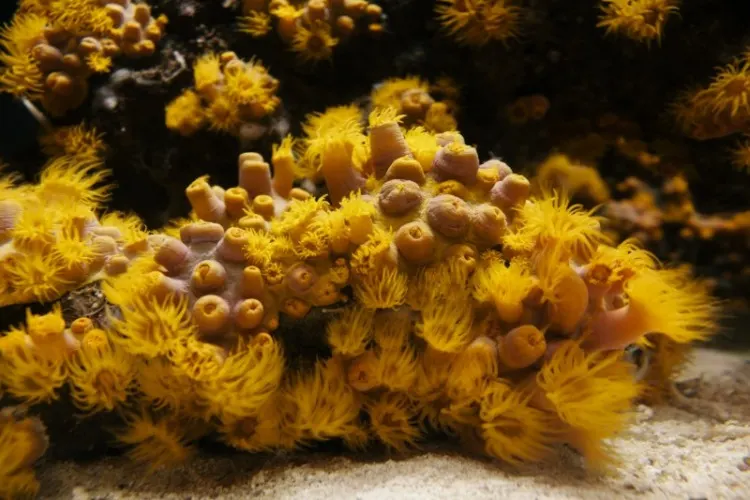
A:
{"x": 477, "y": 22}
{"x": 729, "y": 92}
{"x": 229, "y": 93}
{"x": 101, "y": 376}
{"x": 256, "y": 24}
{"x": 389, "y": 92}
{"x": 147, "y": 325}
{"x": 27, "y": 373}
{"x": 590, "y": 391}
{"x": 320, "y": 404}
{"x": 74, "y": 179}
{"x": 446, "y": 327}
{"x": 641, "y": 20}
{"x": 185, "y": 114}
{"x": 350, "y": 333}
{"x": 47, "y": 333}
{"x": 393, "y": 421}
{"x": 207, "y": 72}
{"x": 383, "y": 288}
{"x": 315, "y": 43}
{"x": 398, "y": 368}
{"x": 503, "y": 285}
{"x": 665, "y": 302}
{"x": 20, "y": 74}
{"x": 514, "y": 431}
{"x": 22, "y": 442}
{"x": 551, "y": 221}
{"x": 246, "y": 380}
{"x": 155, "y": 442}
{"x": 32, "y": 277}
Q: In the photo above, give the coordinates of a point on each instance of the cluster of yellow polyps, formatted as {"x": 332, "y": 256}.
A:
{"x": 50, "y": 49}
{"x": 456, "y": 302}
{"x": 313, "y": 28}
{"x": 229, "y": 94}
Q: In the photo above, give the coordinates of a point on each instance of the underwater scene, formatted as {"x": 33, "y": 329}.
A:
{"x": 321, "y": 249}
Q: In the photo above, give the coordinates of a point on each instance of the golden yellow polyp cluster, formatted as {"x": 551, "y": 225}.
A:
{"x": 50, "y": 49}
{"x": 641, "y": 20}
{"x": 51, "y": 238}
{"x": 478, "y": 22}
{"x": 583, "y": 181}
{"x": 22, "y": 442}
{"x": 455, "y": 301}
{"x": 411, "y": 96}
{"x": 229, "y": 94}
{"x": 312, "y": 28}
{"x": 719, "y": 109}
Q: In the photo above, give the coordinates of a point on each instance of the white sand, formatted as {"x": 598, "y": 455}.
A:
{"x": 695, "y": 451}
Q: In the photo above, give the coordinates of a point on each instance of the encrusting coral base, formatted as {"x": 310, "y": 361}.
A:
{"x": 454, "y": 302}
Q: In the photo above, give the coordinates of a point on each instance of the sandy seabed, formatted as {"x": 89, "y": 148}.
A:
{"x": 696, "y": 447}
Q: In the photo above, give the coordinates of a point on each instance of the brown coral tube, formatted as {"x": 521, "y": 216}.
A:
{"x": 489, "y": 224}
{"x": 173, "y": 255}
{"x": 211, "y": 314}
{"x": 116, "y": 264}
{"x": 325, "y": 293}
{"x": 397, "y": 197}
{"x": 301, "y": 278}
{"x": 200, "y": 232}
{"x": 232, "y": 245}
{"x": 249, "y": 314}
{"x": 296, "y": 308}
{"x": 255, "y": 174}
{"x": 484, "y": 352}
{"x": 448, "y": 215}
{"x": 565, "y": 314}
{"x": 387, "y": 144}
{"x": 416, "y": 242}
{"x": 620, "y": 327}
{"x": 521, "y": 347}
{"x": 81, "y": 326}
{"x": 236, "y": 201}
{"x": 254, "y": 222}
{"x": 263, "y": 205}
{"x": 512, "y": 191}
{"x": 261, "y": 339}
{"x": 206, "y": 203}
{"x": 462, "y": 255}
{"x": 457, "y": 162}
{"x": 48, "y": 57}
{"x": 338, "y": 171}
{"x": 103, "y": 246}
{"x": 495, "y": 165}
{"x": 208, "y": 276}
{"x": 252, "y": 284}
{"x": 283, "y": 174}
{"x": 406, "y": 168}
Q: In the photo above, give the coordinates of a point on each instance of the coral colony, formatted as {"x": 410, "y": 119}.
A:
{"x": 459, "y": 297}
